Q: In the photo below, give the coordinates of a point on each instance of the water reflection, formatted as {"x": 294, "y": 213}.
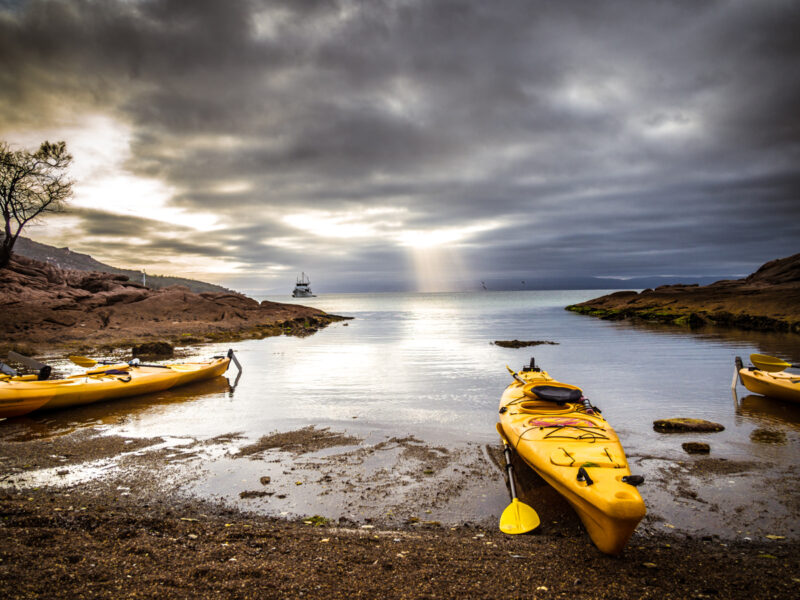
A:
{"x": 104, "y": 414}
{"x": 766, "y": 342}
{"x": 769, "y": 411}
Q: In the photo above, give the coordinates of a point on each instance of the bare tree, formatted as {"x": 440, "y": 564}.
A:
{"x": 31, "y": 183}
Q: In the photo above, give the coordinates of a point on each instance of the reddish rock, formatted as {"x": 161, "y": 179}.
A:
{"x": 42, "y": 304}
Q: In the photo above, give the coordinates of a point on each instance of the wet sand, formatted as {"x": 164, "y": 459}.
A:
{"x": 85, "y": 513}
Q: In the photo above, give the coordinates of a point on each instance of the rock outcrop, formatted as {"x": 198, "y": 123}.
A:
{"x": 696, "y": 448}
{"x": 64, "y": 258}
{"x": 522, "y": 344}
{"x": 768, "y": 300}
{"x": 43, "y": 304}
{"x": 685, "y": 424}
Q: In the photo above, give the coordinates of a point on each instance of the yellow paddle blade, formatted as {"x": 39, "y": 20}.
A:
{"x": 82, "y": 361}
{"x": 768, "y": 363}
{"x": 518, "y": 518}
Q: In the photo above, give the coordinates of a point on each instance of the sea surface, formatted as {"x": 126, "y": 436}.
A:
{"x": 425, "y": 365}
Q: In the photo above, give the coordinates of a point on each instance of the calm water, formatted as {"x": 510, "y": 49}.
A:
{"x": 425, "y": 365}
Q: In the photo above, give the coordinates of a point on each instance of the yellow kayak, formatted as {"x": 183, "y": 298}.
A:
{"x": 22, "y": 395}
{"x": 782, "y": 385}
{"x": 572, "y": 447}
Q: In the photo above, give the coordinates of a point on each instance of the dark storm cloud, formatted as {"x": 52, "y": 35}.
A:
{"x": 100, "y": 223}
{"x": 154, "y": 237}
{"x": 600, "y": 139}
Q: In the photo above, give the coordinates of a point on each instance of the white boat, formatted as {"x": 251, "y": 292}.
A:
{"x": 301, "y": 289}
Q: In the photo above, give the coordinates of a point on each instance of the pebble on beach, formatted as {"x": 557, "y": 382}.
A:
{"x": 696, "y": 448}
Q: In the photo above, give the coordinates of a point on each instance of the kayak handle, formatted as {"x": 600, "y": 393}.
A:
{"x": 584, "y": 476}
{"x": 634, "y": 480}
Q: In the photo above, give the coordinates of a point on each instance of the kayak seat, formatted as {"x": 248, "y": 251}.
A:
{"x": 560, "y": 395}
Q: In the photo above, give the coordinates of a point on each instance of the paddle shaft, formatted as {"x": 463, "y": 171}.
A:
{"x": 782, "y": 366}
{"x": 90, "y": 362}
{"x": 518, "y": 517}
{"x": 507, "y": 456}
{"x": 516, "y": 377}
{"x": 509, "y": 470}
{"x": 232, "y": 356}
{"x": 130, "y": 364}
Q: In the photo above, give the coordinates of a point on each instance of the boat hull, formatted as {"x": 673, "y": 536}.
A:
{"x": 782, "y": 385}
{"x": 18, "y": 406}
{"x": 96, "y": 385}
{"x": 556, "y": 441}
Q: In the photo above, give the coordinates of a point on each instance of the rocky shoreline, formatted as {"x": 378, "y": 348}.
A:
{"x": 44, "y": 306}
{"x": 767, "y": 300}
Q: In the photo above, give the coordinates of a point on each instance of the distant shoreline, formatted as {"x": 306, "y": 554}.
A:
{"x": 767, "y": 300}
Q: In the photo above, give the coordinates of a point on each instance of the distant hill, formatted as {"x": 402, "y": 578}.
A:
{"x": 64, "y": 258}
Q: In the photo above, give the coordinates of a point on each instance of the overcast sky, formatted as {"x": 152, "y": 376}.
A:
{"x": 410, "y": 144}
